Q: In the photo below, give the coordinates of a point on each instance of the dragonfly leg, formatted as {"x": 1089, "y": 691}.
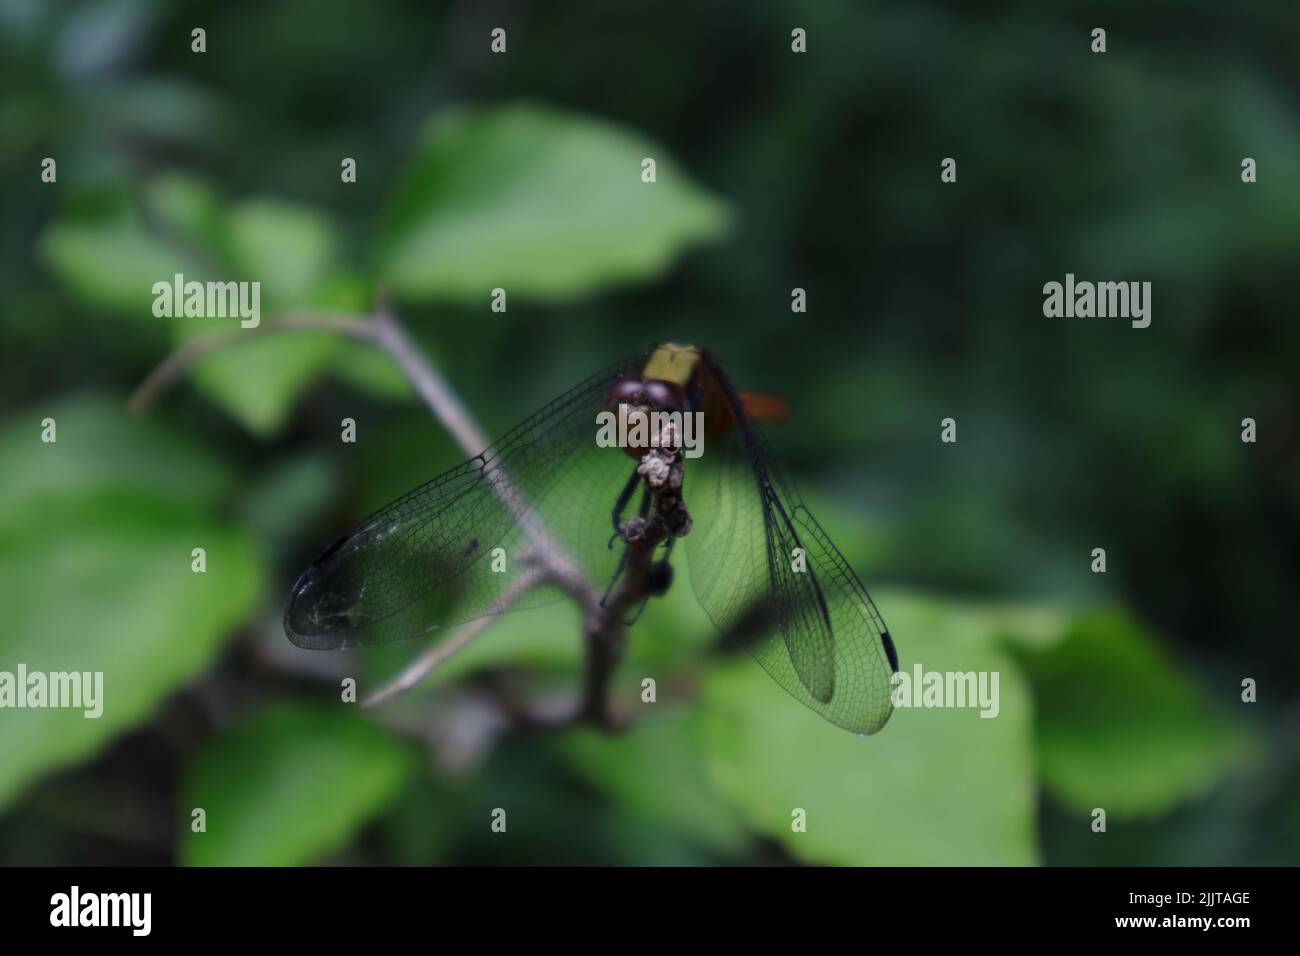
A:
{"x": 658, "y": 580}
{"x": 643, "y": 510}
{"x": 623, "y": 498}
{"x": 618, "y": 573}
{"x": 632, "y": 618}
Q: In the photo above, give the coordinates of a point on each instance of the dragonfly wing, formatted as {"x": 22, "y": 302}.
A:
{"x": 816, "y": 631}
{"x": 801, "y": 613}
{"x": 453, "y": 549}
{"x": 742, "y": 557}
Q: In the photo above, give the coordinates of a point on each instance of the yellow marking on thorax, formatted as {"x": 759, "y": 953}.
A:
{"x": 672, "y": 363}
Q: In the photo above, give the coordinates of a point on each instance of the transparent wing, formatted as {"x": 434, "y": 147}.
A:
{"x": 815, "y": 631}
{"x": 454, "y": 548}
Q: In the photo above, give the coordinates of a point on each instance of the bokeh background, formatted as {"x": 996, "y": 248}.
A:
{"x": 1119, "y": 691}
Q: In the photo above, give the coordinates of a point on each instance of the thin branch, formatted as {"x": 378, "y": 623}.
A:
{"x": 456, "y": 418}
{"x": 174, "y": 367}
{"x": 422, "y": 666}
{"x": 433, "y": 389}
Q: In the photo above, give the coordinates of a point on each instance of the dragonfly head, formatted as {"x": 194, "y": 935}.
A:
{"x": 653, "y": 393}
{"x": 640, "y": 396}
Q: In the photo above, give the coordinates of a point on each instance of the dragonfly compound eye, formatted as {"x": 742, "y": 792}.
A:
{"x": 665, "y": 396}
{"x": 637, "y": 403}
{"x": 628, "y": 391}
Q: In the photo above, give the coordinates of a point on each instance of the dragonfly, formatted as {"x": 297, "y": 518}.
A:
{"x": 453, "y": 549}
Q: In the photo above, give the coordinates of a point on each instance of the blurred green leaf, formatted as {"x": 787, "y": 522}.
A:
{"x": 101, "y": 449}
{"x": 113, "y": 263}
{"x": 106, "y": 586}
{"x": 96, "y": 576}
{"x": 1121, "y": 727}
{"x": 934, "y": 787}
{"x": 112, "y": 258}
{"x": 290, "y": 250}
{"x": 288, "y": 785}
{"x": 373, "y": 372}
{"x": 542, "y": 203}
{"x": 190, "y": 208}
{"x": 258, "y": 380}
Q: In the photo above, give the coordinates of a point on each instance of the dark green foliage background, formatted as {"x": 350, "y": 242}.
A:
{"x": 820, "y": 171}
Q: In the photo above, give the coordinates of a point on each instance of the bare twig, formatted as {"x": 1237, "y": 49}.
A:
{"x": 174, "y": 367}
{"x": 422, "y": 666}
{"x": 433, "y": 389}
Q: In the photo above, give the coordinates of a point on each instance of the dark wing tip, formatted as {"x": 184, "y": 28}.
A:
{"x": 890, "y": 651}
{"x": 305, "y": 624}
{"x": 329, "y": 552}
{"x": 829, "y": 693}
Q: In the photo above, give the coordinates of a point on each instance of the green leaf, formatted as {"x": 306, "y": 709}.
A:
{"x": 96, "y": 534}
{"x": 191, "y": 209}
{"x": 106, "y": 586}
{"x": 259, "y": 380}
{"x": 290, "y": 250}
{"x": 543, "y": 203}
{"x": 101, "y": 450}
{"x": 112, "y": 259}
{"x": 1121, "y": 727}
{"x": 374, "y": 372}
{"x": 113, "y": 263}
{"x": 934, "y": 787}
{"x": 289, "y": 785}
